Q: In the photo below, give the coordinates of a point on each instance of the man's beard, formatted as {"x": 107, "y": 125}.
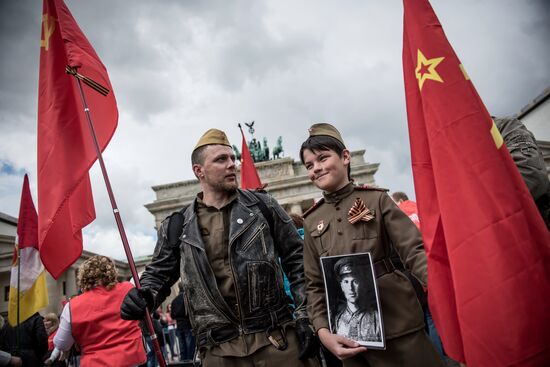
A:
{"x": 228, "y": 187}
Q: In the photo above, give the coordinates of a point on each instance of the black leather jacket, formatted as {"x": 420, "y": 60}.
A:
{"x": 254, "y": 261}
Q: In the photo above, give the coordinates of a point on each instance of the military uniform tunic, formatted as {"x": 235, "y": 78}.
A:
{"x": 328, "y": 233}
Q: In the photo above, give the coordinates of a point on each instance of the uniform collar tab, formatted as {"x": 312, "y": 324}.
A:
{"x": 336, "y": 196}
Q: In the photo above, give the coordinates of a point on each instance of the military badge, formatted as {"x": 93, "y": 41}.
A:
{"x": 359, "y": 212}
{"x": 320, "y": 225}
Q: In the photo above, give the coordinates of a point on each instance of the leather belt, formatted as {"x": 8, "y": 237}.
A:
{"x": 226, "y": 333}
{"x": 217, "y": 336}
{"x": 382, "y": 267}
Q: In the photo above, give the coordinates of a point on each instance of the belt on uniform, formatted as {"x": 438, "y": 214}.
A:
{"x": 382, "y": 267}
{"x": 217, "y": 336}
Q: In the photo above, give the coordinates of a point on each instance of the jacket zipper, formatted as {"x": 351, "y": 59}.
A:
{"x": 235, "y": 279}
{"x": 250, "y": 241}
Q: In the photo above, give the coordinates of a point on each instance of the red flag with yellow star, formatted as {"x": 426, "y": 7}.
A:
{"x": 487, "y": 246}
{"x": 65, "y": 147}
{"x": 249, "y": 175}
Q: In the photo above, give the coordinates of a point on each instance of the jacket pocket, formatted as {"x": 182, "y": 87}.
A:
{"x": 263, "y": 287}
{"x": 321, "y": 237}
{"x": 364, "y": 230}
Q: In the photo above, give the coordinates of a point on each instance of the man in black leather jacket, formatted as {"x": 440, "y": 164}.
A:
{"x": 227, "y": 253}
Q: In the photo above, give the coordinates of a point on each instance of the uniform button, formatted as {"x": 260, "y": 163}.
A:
{"x": 339, "y": 232}
{"x": 240, "y": 221}
{"x": 251, "y": 214}
{"x": 184, "y": 236}
{"x": 339, "y": 219}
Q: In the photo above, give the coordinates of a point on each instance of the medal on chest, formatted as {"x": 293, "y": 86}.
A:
{"x": 320, "y": 226}
{"x": 359, "y": 212}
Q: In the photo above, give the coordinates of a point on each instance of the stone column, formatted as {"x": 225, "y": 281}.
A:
{"x": 296, "y": 208}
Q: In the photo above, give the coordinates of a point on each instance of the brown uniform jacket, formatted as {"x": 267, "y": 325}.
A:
{"x": 328, "y": 232}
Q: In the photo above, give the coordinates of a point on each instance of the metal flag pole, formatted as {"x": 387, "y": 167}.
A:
{"x": 17, "y": 331}
{"x": 100, "y": 89}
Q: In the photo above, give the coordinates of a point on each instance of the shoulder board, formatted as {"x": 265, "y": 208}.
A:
{"x": 367, "y": 188}
{"x": 313, "y": 207}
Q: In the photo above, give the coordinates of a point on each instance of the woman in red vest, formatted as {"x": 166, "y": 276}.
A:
{"x": 92, "y": 319}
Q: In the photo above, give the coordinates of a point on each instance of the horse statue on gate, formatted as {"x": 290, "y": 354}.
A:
{"x": 237, "y": 153}
{"x": 278, "y": 149}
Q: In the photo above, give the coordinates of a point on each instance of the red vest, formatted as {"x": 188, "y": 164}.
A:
{"x": 105, "y": 338}
{"x": 409, "y": 208}
{"x": 50, "y": 340}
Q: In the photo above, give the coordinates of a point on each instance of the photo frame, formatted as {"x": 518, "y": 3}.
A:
{"x": 353, "y": 302}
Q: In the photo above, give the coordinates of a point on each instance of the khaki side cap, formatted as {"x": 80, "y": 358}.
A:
{"x": 326, "y": 129}
{"x": 212, "y": 137}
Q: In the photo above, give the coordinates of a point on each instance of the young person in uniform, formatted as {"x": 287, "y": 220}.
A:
{"x": 351, "y": 219}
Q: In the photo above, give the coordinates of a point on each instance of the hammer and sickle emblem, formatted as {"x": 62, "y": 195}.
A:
{"x": 48, "y": 23}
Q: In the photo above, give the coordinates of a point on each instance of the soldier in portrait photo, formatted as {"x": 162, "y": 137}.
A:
{"x": 358, "y": 317}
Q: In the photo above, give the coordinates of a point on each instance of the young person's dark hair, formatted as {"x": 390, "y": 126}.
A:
{"x": 323, "y": 142}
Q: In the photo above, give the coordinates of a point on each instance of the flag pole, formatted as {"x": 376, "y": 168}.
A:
{"x": 17, "y": 332}
{"x": 118, "y": 220}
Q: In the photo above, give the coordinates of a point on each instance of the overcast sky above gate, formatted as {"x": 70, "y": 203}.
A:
{"x": 180, "y": 67}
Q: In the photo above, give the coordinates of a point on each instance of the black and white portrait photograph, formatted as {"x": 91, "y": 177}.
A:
{"x": 352, "y": 299}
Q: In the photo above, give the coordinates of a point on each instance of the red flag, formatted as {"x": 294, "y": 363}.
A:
{"x": 28, "y": 290}
{"x": 249, "y": 176}
{"x": 27, "y": 227}
{"x": 487, "y": 246}
{"x": 65, "y": 147}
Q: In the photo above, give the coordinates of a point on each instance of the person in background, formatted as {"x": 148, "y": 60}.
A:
{"x": 6, "y": 359}
{"x": 169, "y": 330}
{"x": 184, "y": 330}
{"x": 51, "y": 323}
{"x": 92, "y": 319}
{"x": 407, "y": 206}
{"x": 351, "y": 219}
{"x": 528, "y": 158}
{"x": 33, "y": 340}
{"x": 298, "y": 222}
{"x": 152, "y": 360}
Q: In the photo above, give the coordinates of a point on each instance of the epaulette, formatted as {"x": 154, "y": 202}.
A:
{"x": 365, "y": 188}
{"x": 313, "y": 207}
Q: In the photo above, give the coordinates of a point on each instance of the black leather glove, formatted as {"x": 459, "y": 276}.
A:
{"x": 134, "y": 304}
{"x": 309, "y": 344}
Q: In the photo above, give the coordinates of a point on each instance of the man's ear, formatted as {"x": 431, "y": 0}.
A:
{"x": 197, "y": 170}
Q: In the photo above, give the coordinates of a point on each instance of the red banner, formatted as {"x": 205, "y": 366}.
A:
{"x": 487, "y": 246}
{"x": 65, "y": 147}
{"x": 249, "y": 175}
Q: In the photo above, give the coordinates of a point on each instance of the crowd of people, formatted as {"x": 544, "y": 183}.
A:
{"x": 251, "y": 289}
{"x": 90, "y": 331}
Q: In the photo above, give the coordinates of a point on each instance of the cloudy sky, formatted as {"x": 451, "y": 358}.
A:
{"x": 180, "y": 67}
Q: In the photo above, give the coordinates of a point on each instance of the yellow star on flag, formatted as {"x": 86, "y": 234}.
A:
{"x": 425, "y": 69}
